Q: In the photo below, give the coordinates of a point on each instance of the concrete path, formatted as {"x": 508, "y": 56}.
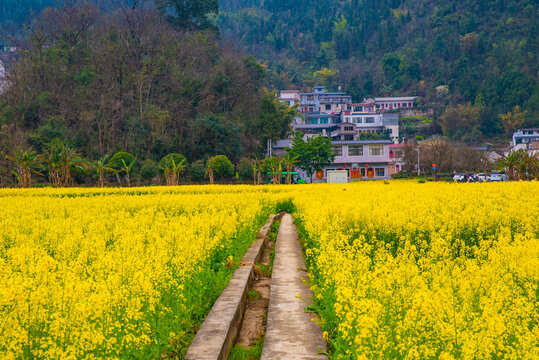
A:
{"x": 290, "y": 333}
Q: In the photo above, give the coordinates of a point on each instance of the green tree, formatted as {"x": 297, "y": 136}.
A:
{"x": 173, "y": 165}
{"x": 190, "y": 14}
{"x": 100, "y": 168}
{"x": 220, "y": 167}
{"x": 26, "y": 162}
{"x": 122, "y": 163}
{"x": 197, "y": 170}
{"x": 245, "y": 168}
{"x": 513, "y": 120}
{"x": 273, "y": 119}
{"x": 312, "y": 154}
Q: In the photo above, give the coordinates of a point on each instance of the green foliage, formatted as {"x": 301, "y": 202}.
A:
{"x": 214, "y": 135}
{"x": 254, "y": 352}
{"x": 170, "y": 160}
{"x": 197, "y": 170}
{"x": 286, "y": 206}
{"x": 245, "y": 169}
{"x": 43, "y": 137}
{"x": 149, "y": 170}
{"x": 222, "y": 167}
{"x": 120, "y": 160}
{"x": 190, "y": 14}
{"x": 312, "y": 154}
{"x": 273, "y": 119}
{"x": 399, "y": 48}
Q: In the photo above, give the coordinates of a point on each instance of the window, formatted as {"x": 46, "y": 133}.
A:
{"x": 369, "y": 120}
{"x": 348, "y": 128}
{"x": 357, "y": 108}
{"x": 324, "y": 121}
{"x": 355, "y": 150}
{"x": 328, "y": 107}
{"x": 362, "y": 172}
{"x": 314, "y": 121}
{"x": 337, "y": 150}
{"x": 348, "y": 137}
{"x": 360, "y": 120}
{"x": 379, "y": 172}
{"x": 376, "y": 150}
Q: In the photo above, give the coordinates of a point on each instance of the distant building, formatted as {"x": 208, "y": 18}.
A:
{"x": 320, "y": 101}
{"x": 291, "y": 97}
{"x": 396, "y": 158}
{"x": 526, "y": 139}
{"x": 393, "y": 103}
{"x": 374, "y": 123}
{"x": 362, "y": 159}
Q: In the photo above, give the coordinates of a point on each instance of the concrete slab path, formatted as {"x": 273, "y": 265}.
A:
{"x": 290, "y": 333}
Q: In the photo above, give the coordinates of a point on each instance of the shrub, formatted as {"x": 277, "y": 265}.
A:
{"x": 222, "y": 167}
{"x": 197, "y": 170}
{"x": 166, "y": 161}
{"x": 116, "y": 161}
{"x": 245, "y": 169}
{"x": 173, "y": 165}
{"x": 149, "y": 170}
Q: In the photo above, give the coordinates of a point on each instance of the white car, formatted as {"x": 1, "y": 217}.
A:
{"x": 459, "y": 177}
{"x": 481, "y": 177}
{"x": 497, "y": 176}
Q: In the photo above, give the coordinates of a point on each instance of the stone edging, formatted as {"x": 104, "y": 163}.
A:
{"x": 220, "y": 328}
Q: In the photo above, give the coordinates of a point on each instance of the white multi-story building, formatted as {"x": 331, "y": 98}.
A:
{"x": 393, "y": 103}
{"x": 526, "y": 139}
{"x": 291, "y": 97}
{"x": 373, "y": 123}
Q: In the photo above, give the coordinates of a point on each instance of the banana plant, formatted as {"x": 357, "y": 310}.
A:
{"x": 100, "y": 167}
{"x": 26, "y": 162}
{"x": 127, "y": 169}
{"x": 210, "y": 163}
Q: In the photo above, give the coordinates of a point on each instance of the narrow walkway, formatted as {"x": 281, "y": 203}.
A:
{"x": 290, "y": 333}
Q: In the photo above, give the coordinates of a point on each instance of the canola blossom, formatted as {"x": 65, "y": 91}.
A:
{"x": 116, "y": 273}
{"x": 425, "y": 271}
{"x": 398, "y": 271}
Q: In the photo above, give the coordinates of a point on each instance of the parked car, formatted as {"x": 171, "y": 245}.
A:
{"x": 459, "y": 177}
{"x": 481, "y": 177}
{"x": 497, "y": 176}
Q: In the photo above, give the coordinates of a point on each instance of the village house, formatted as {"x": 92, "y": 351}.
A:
{"x": 365, "y": 136}
{"x": 290, "y": 97}
{"x": 394, "y": 103}
{"x": 526, "y": 139}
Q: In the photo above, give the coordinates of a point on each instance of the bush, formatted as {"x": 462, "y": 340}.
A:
{"x": 197, "y": 170}
{"x": 403, "y": 174}
{"x": 149, "y": 170}
{"x": 222, "y": 167}
{"x": 116, "y": 161}
{"x": 245, "y": 169}
{"x": 166, "y": 161}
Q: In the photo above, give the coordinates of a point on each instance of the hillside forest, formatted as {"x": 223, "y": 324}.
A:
{"x": 134, "y": 80}
{"x": 474, "y": 58}
{"x": 190, "y": 77}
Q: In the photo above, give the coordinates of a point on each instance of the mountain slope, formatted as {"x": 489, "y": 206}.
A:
{"x": 482, "y": 50}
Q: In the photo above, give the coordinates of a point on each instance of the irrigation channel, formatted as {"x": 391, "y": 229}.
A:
{"x": 261, "y": 313}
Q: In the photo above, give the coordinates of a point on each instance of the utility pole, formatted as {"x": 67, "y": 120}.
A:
{"x": 417, "y": 149}
{"x": 269, "y": 150}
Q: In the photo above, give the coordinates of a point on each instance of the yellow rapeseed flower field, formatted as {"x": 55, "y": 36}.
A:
{"x": 399, "y": 270}
{"x": 117, "y": 273}
{"x": 425, "y": 271}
